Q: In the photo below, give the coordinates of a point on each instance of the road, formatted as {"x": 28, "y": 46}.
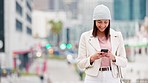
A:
{"x": 58, "y": 71}
{"x": 61, "y": 72}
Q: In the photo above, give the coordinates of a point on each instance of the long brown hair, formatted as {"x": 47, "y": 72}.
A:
{"x": 95, "y": 30}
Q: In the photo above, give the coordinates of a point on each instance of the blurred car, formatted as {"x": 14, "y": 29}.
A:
{"x": 5, "y": 72}
{"x": 71, "y": 56}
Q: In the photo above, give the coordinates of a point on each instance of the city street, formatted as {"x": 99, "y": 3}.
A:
{"x": 41, "y": 39}
{"x": 24, "y": 79}
{"x": 58, "y": 71}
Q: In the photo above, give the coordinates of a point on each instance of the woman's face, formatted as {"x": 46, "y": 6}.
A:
{"x": 102, "y": 25}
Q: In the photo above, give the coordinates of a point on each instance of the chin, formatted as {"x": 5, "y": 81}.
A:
{"x": 101, "y": 30}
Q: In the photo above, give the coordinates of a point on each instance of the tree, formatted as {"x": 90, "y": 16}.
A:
{"x": 56, "y": 28}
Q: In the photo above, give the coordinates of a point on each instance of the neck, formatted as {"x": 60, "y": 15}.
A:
{"x": 101, "y": 34}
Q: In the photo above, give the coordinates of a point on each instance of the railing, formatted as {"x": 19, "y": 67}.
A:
{"x": 142, "y": 81}
{"x": 126, "y": 80}
{"x": 137, "y": 81}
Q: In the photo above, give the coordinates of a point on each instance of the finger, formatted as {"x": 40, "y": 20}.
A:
{"x": 99, "y": 56}
{"x": 107, "y": 55}
{"x": 109, "y": 51}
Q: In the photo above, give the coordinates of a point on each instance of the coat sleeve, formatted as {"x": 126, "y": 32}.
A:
{"x": 121, "y": 59}
{"x": 83, "y": 61}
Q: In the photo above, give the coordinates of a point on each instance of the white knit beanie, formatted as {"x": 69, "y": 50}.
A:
{"x": 101, "y": 12}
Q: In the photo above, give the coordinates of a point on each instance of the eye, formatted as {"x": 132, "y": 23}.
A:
{"x": 105, "y": 22}
{"x": 99, "y": 22}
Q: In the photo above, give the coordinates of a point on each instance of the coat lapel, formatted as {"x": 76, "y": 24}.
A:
{"x": 114, "y": 41}
{"x": 94, "y": 43}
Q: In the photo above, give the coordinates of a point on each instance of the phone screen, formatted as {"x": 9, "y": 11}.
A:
{"x": 104, "y": 50}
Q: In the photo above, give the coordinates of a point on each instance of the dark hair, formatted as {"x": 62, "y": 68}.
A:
{"x": 95, "y": 30}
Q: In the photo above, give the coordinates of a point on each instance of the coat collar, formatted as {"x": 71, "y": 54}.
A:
{"x": 95, "y": 43}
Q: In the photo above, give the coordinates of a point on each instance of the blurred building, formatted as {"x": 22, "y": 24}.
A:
{"x": 129, "y": 9}
{"x": 2, "y": 31}
{"x": 46, "y": 10}
{"x": 16, "y": 26}
{"x": 41, "y": 25}
{"x": 41, "y": 4}
{"x": 147, "y": 8}
{"x": 69, "y": 6}
{"x": 48, "y": 5}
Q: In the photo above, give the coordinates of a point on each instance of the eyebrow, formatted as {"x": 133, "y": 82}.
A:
{"x": 102, "y": 20}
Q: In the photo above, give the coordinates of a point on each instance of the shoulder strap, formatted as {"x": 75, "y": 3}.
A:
{"x": 119, "y": 69}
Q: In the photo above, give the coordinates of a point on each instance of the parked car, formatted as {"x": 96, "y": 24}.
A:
{"x": 71, "y": 56}
{"x": 5, "y": 72}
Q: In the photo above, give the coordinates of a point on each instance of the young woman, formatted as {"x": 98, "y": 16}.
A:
{"x": 101, "y": 50}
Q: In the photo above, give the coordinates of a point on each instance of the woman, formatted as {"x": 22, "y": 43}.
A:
{"x": 101, "y": 66}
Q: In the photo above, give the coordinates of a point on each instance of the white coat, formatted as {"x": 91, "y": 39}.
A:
{"x": 89, "y": 45}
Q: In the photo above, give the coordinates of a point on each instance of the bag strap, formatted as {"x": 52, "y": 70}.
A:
{"x": 119, "y": 69}
{"x": 119, "y": 72}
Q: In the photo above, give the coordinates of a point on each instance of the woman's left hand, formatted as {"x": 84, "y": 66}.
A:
{"x": 110, "y": 55}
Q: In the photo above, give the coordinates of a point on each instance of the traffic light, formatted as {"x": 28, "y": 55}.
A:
{"x": 63, "y": 46}
{"x": 48, "y": 46}
{"x": 69, "y": 46}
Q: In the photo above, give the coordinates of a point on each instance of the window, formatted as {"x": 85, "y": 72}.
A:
{"x": 29, "y": 31}
{"x": 28, "y": 6}
{"x": 18, "y": 9}
{"x": 18, "y": 25}
{"x": 28, "y": 18}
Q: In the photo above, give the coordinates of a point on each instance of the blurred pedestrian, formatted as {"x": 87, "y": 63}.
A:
{"x": 101, "y": 50}
{"x": 38, "y": 71}
{"x": 44, "y": 68}
{"x": 42, "y": 78}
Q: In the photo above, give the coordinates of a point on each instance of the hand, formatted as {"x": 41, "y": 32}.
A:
{"x": 110, "y": 56}
{"x": 97, "y": 55}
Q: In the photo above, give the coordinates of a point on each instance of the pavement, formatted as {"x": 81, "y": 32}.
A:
{"x": 23, "y": 79}
{"x": 61, "y": 72}
{"x": 58, "y": 71}
{"x": 137, "y": 69}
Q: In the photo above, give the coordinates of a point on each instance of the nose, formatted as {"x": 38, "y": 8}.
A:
{"x": 103, "y": 25}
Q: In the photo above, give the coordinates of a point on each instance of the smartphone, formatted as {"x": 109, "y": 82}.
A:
{"x": 104, "y": 50}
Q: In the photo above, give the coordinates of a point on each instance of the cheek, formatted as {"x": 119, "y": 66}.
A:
{"x": 107, "y": 25}
{"x": 98, "y": 25}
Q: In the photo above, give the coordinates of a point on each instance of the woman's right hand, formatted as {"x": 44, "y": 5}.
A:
{"x": 96, "y": 56}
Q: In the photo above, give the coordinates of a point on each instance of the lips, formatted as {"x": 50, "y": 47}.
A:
{"x": 102, "y": 28}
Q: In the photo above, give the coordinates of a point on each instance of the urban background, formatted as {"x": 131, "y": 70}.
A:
{"x": 39, "y": 38}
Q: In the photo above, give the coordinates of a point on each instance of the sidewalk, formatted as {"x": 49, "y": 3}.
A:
{"x": 23, "y": 79}
{"x": 61, "y": 72}
{"x": 138, "y": 69}
{"x": 58, "y": 71}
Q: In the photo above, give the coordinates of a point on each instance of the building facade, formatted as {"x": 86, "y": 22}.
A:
{"x": 129, "y": 10}
{"x": 68, "y": 6}
{"x": 147, "y": 8}
{"x": 16, "y": 24}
